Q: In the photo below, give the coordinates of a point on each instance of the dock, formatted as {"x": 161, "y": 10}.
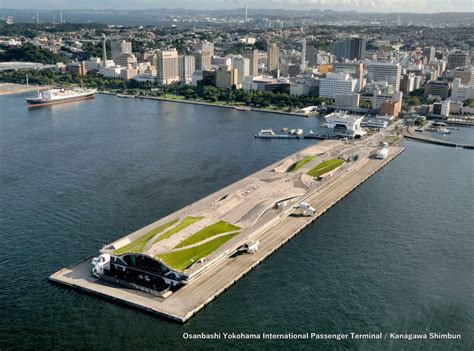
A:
{"x": 188, "y": 300}
{"x": 410, "y": 134}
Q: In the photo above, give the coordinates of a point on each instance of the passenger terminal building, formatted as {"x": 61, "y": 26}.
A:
{"x": 345, "y": 125}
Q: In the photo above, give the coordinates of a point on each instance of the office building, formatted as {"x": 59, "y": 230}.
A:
{"x": 125, "y": 60}
{"x": 226, "y": 77}
{"x": 347, "y": 100}
{"x": 202, "y": 60}
{"x": 252, "y": 55}
{"x": 242, "y": 65}
{"x": 273, "y": 57}
{"x": 458, "y": 59}
{"x": 390, "y": 108}
{"x": 336, "y": 83}
{"x": 354, "y": 69}
{"x": 204, "y": 46}
{"x": 167, "y": 66}
{"x": 303, "y": 55}
{"x": 429, "y": 52}
{"x": 118, "y": 48}
{"x": 350, "y": 48}
{"x": 437, "y": 88}
{"x": 461, "y": 92}
{"x": 466, "y": 75}
{"x": 385, "y": 72}
{"x": 187, "y": 65}
{"x": 407, "y": 83}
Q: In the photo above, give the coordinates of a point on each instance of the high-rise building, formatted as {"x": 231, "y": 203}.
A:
{"x": 204, "y": 46}
{"x": 252, "y": 55}
{"x": 187, "y": 66}
{"x": 226, "y": 77}
{"x": 385, "y": 72}
{"x": 407, "y": 83}
{"x": 104, "y": 51}
{"x": 118, "y": 48}
{"x": 202, "y": 60}
{"x": 337, "y": 83}
{"x": 311, "y": 56}
{"x": 242, "y": 65}
{"x": 458, "y": 59}
{"x": 466, "y": 75}
{"x": 429, "y": 52}
{"x": 125, "y": 60}
{"x": 273, "y": 57}
{"x": 303, "y": 54}
{"x": 350, "y": 48}
{"x": 437, "y": 88}
{"x": 355, "y": 69}
{"x": 168, "y": 66}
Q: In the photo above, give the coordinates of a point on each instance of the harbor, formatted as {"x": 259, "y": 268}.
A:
{"x": 272, "y": 231}
{"x": 107, "y": 180}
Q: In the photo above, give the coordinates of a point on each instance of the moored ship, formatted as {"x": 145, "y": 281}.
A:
{"x": 57, "y": 96}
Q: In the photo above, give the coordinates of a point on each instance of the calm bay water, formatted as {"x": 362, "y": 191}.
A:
{"x": 396, "y": 255}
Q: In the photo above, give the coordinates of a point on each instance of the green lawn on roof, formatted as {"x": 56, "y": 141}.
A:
{"x": 182, "y": 259}
{"x": 137, "y": 245}
{"x": 325, "y": 166}
{"x": 208, "y": 232}
{"x": 301, "y": 163}
{"x": 186, "y": 222}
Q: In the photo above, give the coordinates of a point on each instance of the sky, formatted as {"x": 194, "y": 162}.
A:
{"x": 424, "y": 6}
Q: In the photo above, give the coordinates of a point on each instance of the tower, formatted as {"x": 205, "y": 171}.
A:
{"x": 246, "y": 12}
{"x": 104, "y": 52}
{"x": 60, "y": 17}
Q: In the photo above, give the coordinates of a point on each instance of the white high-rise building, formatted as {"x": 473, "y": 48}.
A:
{"x": 187, "y": 65}
{"x": 168, "y": 66}
{"x": 385, "y": 72}
{"x": 335, "y": 84}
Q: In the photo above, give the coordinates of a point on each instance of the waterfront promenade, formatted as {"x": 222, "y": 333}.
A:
{"x": 188, "y": 300}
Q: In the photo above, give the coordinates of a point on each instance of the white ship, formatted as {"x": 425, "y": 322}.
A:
{"x": 57, "y": 96}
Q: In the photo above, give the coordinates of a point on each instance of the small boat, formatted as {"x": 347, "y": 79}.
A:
{"x": 125, "y": 96}
{"x": 242, "y": 108}
{"x": 297, "y": 132}
{"x": 443, "y": 130}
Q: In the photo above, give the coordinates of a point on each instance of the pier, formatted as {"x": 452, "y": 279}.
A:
{"x": 409, "y": 133}
{"x": 206, "y": 286}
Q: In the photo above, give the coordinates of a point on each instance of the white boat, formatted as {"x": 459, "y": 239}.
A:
{"x": 125, "y": 96}
{"x": 270, "y": 134}
{"x": 57, "y": 96}
{"x": 443, "y": 130}
{"x": 296, "y": 132}
{"x": 242, "y": 108}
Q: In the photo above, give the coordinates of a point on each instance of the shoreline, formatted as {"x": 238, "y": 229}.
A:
{"x": 254, "y": 109}
{"x": 14, "y": 88}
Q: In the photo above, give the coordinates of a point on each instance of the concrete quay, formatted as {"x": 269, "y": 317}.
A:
{"x": 410, "y": 134}
{"x": 187, "y": 301}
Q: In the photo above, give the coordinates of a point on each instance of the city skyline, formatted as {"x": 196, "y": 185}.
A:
{"x": 376, "y": 6}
